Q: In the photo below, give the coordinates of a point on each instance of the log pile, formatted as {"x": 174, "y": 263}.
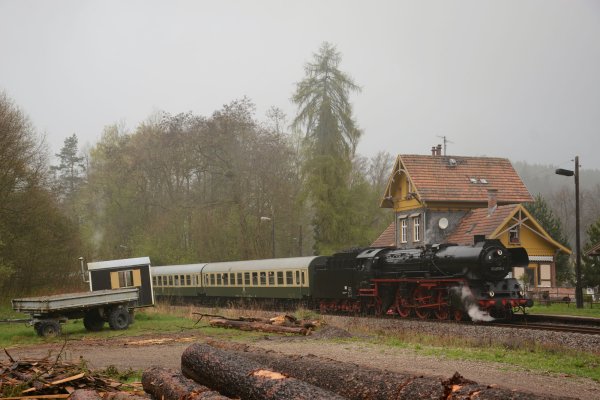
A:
{"x": 279, "y": 324}
{"x": 51, "y": 378}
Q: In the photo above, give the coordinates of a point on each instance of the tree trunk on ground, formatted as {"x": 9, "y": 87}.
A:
{"x": 356, "y": 382}
{"x": 257, "y": 326}
{"x": 235, "y": 375}
{"x": 167, "y": 384}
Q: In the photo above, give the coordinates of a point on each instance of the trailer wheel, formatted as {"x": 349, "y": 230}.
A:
{"x": 92, "y": 320}
{"x": 47, "y": 328}
{"x": 118, "y": 319}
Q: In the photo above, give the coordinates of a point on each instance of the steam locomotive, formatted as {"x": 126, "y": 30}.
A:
{"x": 445, "y": 281}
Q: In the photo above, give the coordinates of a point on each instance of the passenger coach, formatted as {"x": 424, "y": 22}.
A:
{"x": 284, "y": 278}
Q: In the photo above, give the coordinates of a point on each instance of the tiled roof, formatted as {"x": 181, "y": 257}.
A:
{"x": 478, "y": 222}
{"x": 387, "y": 238}
{"x": 455, "y": 178}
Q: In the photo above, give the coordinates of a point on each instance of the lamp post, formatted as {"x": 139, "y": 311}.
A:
{"x": 578, "y": 289}
{"x": 272, "y": 219}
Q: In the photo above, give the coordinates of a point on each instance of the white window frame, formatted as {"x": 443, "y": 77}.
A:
{"x": 404, "y": 230}
{"x": 416, "y": 228}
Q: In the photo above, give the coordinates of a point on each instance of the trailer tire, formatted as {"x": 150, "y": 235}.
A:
{"x": 92, "y": 320}
{"x": 118, "y": 319}
{"x": 48, "y": 328}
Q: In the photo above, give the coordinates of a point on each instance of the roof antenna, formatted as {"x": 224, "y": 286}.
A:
{"x": 446, "y": 141}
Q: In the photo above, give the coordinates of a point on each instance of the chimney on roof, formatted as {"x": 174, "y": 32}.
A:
{"x": 492, "y": 200}
{"x": 433, "y": 151}
{"x": 439, "y": 149}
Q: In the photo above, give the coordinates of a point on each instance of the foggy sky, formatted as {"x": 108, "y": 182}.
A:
{"x": 517, "y": 79}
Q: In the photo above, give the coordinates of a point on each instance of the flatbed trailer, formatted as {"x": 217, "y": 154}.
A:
{"x": 114, "y": 306}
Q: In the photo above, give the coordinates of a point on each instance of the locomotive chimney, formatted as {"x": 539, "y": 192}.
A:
{"x": 492, "y": 200}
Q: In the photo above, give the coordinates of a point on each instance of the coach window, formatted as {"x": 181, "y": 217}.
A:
{"x": 263, "y": 279}
{"x": 255, "y": 279}
{"x": 219, "y": 280}
{"x": 303, "y": 278}
{"x": 297, "y": 278}
{"x": 247, "y": 278}
{"x": 280, "y": 277}
{"x": 212, "y": 279}
{"x": 154, "y": 280}
{"x": 226, "y": 279}
{"x": 239, "y": 279}
{"x": 289, "y": 278}
{"x": 271, "y": 275}
{"x": 182, "y": 280}
{"x": 170, "y": 280}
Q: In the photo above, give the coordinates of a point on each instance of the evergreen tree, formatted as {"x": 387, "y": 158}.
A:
{"x": 551, "y": 224}
{"x": 70, "y": 168}
{"x": 590, "y": 273}
{"x": 331, "y": 136}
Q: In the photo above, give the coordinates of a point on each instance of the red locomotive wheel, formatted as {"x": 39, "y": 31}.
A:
{"x": 459, "y": 315}
{"x": 421, "y": 297}
{"x": 442, "y": 311}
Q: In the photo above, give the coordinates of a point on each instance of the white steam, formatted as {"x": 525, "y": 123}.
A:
{"x": 470, "y": 304}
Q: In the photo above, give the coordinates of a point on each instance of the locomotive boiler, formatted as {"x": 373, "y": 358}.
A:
{"x": 443, "y": 280}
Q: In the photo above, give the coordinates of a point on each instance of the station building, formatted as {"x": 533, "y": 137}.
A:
{"x": 453, "y": 199}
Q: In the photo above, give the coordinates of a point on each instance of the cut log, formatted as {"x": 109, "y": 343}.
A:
{"x": 257, "y": 326}
{"x": 235, "y": 375}
{"x": 166, "y": 384}
{"x": 357, "y": 382}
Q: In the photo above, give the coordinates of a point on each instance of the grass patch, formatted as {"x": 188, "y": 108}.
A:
{"x": 566, "y": 309}
{"x": 508, "y": 352}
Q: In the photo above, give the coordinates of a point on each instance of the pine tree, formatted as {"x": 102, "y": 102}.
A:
{"x": 591, "y": 265}
{"x": 331, "y": 135}
{"x": 70, "y": 168}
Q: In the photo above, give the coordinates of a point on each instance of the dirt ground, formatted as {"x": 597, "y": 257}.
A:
{"x": 165, "y": 350}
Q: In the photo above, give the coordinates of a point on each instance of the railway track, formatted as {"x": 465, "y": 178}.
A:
{"x": 550, "y": 327}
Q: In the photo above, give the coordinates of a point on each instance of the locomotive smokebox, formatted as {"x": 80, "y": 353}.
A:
{"x": 488, "y": 260}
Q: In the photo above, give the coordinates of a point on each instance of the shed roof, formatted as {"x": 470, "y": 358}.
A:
{"x": 387, "y": 238}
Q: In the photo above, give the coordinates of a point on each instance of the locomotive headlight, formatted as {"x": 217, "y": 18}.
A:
{"x": 521, "y": 293}
{"x": 491, "y": 293}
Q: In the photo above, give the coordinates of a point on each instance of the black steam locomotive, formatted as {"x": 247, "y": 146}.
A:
{"x": 446, "y": 281}
{"x": 443, "y": 280}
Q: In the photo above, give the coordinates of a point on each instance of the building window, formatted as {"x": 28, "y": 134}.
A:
{"x": 403, "y": 230}
{"x": 513, "y": 235}
{"x": 416, "y": 229}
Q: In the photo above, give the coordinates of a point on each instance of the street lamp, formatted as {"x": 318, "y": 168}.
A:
{"x": 272, "y": 219}
{"x": 578, "y": 289}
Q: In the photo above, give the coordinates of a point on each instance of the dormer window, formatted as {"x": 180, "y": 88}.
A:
{"x": 514, "y": 235}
